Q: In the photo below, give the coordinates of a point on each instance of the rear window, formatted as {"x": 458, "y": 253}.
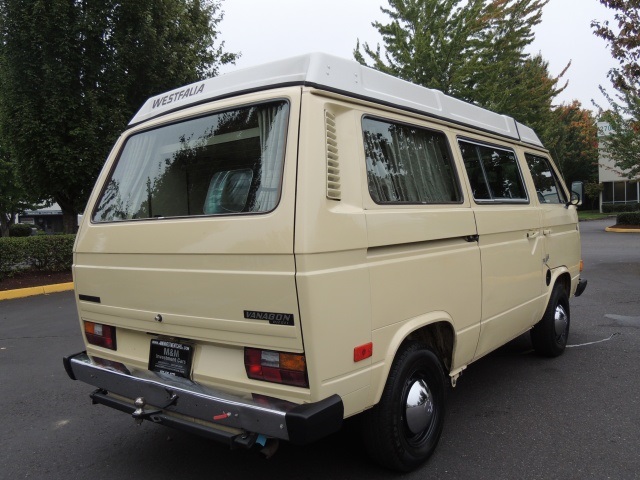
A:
{"x": 228, "y": 163}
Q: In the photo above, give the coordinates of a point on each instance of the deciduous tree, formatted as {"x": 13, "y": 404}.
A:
{"x": 623, "y": 114}
{"x": 14, "y": 198}
{"x": 73, "y": 72}
{"x": 573, "y": 142}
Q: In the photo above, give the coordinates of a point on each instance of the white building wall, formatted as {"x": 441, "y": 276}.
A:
{"x": 618, "y": 189}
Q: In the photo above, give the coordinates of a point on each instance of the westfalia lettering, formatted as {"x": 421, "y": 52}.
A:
{"x": 174, "y": 97}
{"x": 273, "y": 318}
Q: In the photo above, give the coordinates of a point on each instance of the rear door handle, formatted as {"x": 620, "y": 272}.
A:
{"x": 546, "y": 232}
{"x": 533, "y": 233}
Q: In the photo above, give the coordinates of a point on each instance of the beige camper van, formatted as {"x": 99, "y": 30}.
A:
{"x": 271, "y": 251}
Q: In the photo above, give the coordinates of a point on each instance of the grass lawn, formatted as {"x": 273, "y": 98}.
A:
{"x": 594, "y": 215}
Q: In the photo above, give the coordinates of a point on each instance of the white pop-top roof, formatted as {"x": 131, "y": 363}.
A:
{"x": 343, "y": 76}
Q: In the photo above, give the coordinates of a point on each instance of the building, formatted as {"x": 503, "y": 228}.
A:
{"x": 48, "y": 219}
{"x": 618, "y": 189}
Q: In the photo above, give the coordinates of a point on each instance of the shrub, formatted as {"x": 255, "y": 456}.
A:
{"x": 12, "y": 255}
{"x": 53, "y": 253}
{"x": 628, "y": 218}
{"x": 20, "y": 230}
{"x": 620, "y": 207}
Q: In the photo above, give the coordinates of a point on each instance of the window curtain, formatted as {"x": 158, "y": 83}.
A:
{"x": 272, "y": 122}
{"x": 407, "y": 165}
{"x": 131, "y": 176}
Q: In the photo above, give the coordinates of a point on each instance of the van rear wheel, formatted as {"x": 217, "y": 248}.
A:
{"x": 403, "y": 429}
{"x": 550, "y": 335}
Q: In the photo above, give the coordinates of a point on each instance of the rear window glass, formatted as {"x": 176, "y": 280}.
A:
{"x": 223, "y": 164}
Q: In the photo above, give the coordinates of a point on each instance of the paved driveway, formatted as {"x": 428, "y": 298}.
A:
{"x": 512, "y": 415}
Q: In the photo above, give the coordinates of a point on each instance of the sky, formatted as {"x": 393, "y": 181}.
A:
{"x": 267, "y": 30}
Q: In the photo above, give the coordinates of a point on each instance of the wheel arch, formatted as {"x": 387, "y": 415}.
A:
{"x": 559, "y": 276}
{"x": 435, "y": 330}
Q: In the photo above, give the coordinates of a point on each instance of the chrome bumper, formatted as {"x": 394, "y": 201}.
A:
{"x": 230, "y": 419}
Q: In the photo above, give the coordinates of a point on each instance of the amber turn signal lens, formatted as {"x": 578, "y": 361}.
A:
{"x": 276, "y": 367}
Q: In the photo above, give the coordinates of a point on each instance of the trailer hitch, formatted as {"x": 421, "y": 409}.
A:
{"x": 140, "y": 414}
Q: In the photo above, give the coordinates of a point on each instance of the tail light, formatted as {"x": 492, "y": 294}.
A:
{"x": 101, "y": 335}
{"x": 276, "y": 367}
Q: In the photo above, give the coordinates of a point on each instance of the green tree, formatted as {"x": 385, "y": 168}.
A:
{"x": 592, "y": 190}
{"x": 14, "y": 198}
{"x": 73, "y": 72}
{"x": 623, "y": 144}
{"x": 573, "y": 142}
{"x": 430, "y": 42}
{"x": 528, "y": 96}
{"x": 473, "y": 50}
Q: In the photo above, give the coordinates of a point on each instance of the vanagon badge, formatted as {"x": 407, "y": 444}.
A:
{"x": 273, "y": 318}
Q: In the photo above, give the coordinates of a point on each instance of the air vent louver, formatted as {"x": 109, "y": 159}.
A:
{"x": 333, "y": 162}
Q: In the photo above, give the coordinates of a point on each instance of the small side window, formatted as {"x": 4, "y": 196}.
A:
{"x": 493, "y": 173}
{"x": 407, "y": 164}
{"x": 548, "y": 186}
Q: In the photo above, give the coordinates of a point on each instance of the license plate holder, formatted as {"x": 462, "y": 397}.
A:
{"x": 170, "y": 357}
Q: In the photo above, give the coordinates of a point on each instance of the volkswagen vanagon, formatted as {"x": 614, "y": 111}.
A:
{"x": 273, "y": 250}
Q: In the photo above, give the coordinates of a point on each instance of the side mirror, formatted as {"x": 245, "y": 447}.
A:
{"x": 577, "y": 189}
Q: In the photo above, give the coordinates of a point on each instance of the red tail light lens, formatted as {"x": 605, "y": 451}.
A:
{"x": 276, "y": 367}
{"x": 101, "y": 335}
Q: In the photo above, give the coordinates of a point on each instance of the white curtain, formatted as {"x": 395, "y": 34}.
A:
{"x": 130, "y": 179}
{"x": 137, "y": 171}
{"x": 272, "y": 122}
{"x": 407, "y": 165}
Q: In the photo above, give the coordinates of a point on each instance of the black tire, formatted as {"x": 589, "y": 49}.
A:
{"x": 550, "y": 335}
{"x": 394, "y": 439}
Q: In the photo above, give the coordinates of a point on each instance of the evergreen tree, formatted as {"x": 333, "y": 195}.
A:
{"x": 73, "y": 72}
{"x": 473, "y": 50}
{"x": 528, "y": 96}
{"x": 429, "y": 42}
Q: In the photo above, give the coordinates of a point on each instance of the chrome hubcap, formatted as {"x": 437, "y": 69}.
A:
{"x": 419, "y": 407}
{"x": 560, "y": 321}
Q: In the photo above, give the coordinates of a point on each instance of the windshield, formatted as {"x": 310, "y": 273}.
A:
{"x": 227, "y": 163}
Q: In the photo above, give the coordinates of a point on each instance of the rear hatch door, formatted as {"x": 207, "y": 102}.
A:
{"x": 191, "y": 235}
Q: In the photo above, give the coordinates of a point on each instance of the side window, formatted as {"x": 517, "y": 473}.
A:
{"x": 407, "y": 164}
{"x": 548, "y": 187}
{"x": 493, "y": 173}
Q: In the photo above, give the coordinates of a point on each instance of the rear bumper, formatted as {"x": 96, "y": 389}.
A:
{"x": 186, "y": 405}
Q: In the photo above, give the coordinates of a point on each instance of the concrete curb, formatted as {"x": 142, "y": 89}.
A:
{"x": 622, "y": 230}
{"x": 29, "y": 292}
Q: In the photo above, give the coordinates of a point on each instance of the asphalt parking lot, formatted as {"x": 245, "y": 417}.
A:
{"x": 512, "y": 415}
